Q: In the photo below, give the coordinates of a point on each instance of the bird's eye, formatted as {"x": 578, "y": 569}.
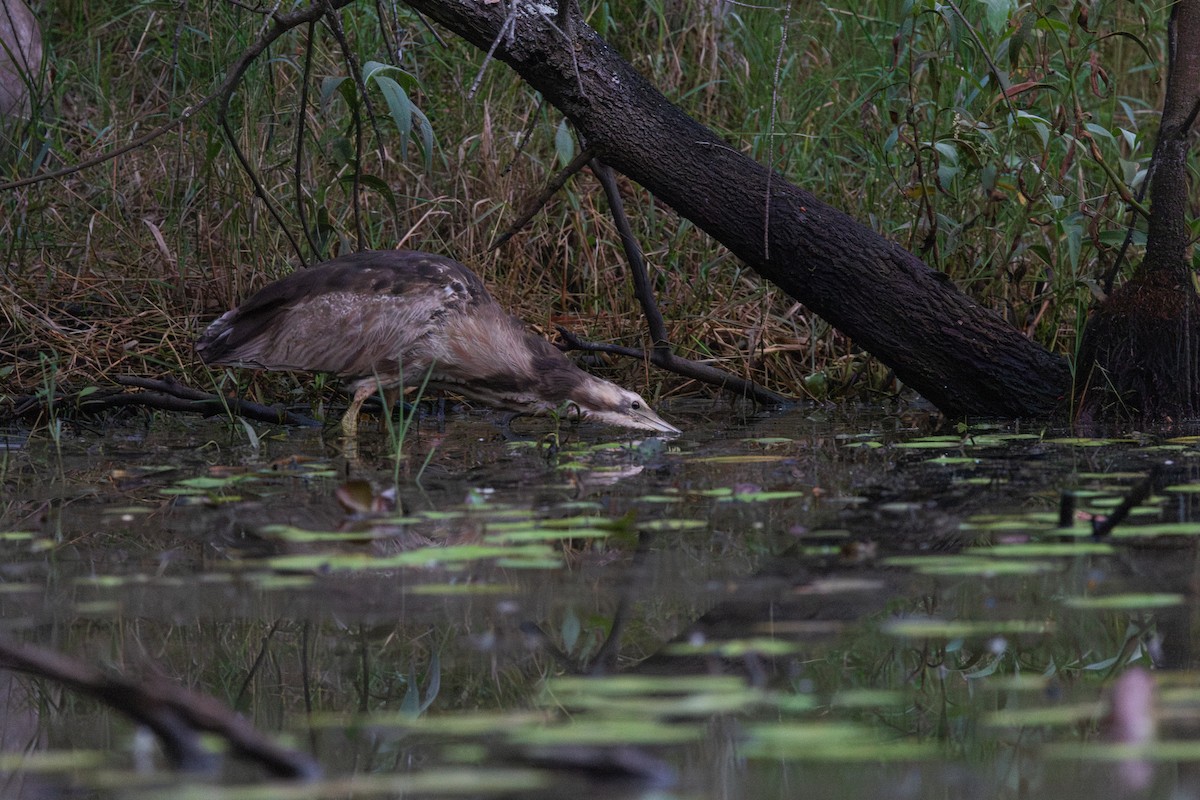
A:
{"x": 635, "y": 405}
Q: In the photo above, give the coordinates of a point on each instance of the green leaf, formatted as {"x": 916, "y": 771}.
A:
{"x": 373, "y": 182}
{"x": 425, "y": 131}
{"x": 329, "y": 87}
{"x": 343, "y": 152}
{"x": 571, "y": 628}
{"x": 399, "y": 107}
{"x": 998, "y": 12}
{"x": 375, "y": 71}
{"x": 564, "y": 144}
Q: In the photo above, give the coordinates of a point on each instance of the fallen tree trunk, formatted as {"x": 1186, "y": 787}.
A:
{"x": 961, "y": 356}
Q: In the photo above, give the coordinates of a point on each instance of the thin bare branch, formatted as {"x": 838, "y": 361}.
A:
{"x": 536, "y": 203}
{"x": 680, "y": 366}
{"x": 633, "y": 254}
{"x": 505, "y": 30}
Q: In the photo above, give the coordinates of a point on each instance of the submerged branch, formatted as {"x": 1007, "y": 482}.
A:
{"x": 175, "y": 714}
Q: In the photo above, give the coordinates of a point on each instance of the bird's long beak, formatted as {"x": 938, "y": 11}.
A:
{"x": 651, "y": 421}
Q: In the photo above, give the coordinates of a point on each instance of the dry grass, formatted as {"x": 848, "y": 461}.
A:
{"x": 115, "y": 269}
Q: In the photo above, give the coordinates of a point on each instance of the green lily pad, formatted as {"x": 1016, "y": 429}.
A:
{"x": 831, "y": 741}
{"x": 1050, "y": 716}
{"x": 1129, "y": 601}
{"x": 1043, "y": 549}
{"x": 673, "y": 525}
{"x": 934, "y": 628}
{"x": 592, "y": 731}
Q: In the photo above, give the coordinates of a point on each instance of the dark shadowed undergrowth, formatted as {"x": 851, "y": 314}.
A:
{"x": 1000, "y": 145}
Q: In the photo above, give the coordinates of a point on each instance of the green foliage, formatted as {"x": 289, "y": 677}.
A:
{"x": 999, "y": 141}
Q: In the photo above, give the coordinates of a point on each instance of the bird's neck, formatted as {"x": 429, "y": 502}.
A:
{"x": 591, "y": 393}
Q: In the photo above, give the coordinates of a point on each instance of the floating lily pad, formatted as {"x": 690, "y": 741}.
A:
{"x": 1146, "y": 509}
{"x": 592, "y": 731}
{"x": 1116, "y": 475}
{"x": 641, "y": 685}
{"x": 422, "y": 557}
{"x": 548, "y": 535}
{"x": 757, "y": 497}
{"x": 456, "y": 589}
{"x": 1160, "y": 751}
{"x": 1050, "y": 715}
{"x": 578, "y": 522}
{"x": 952, "y": 460}
{"x": 579, "y": 505}
{"x": 899, "y": 507}
{"x": 1020, "y": 523}
{"x": 51, "y": 761}
{"x": 271, "y": 581}
{"x": 1157, "y": 529}
{"x": 951, "y": 565}
{"x": 736, "y": 648}
{"x": 209, "y": 483}
{"x": 830, "y": 741}
{"x": 475, "y": 723}
{"x": 673, "y": 525}
{"x": 747, "y": 458}
{"x": 869, "y": 445}
{"x": 934, "y": 628}
{"x": 1021, "y": 682}
{"x": 289, "y": 533}
{"x": 983, "y": 480}
{"x": 868, "y": 698}
{"x": 549, "y": 562}
{"x": 1043, "y": 549}
{"x": 660, "y": 498}
{"x": 952, "y": 443}
{"x": 1126, "y": 601}
{"x": 699, "y": 705}
{"x": 126, "y": 511}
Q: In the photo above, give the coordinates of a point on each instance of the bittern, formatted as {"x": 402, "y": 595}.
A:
{"x": 388, "y": 318}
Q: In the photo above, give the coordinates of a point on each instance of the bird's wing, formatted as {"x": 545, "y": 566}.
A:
{"x": 360, "y": 315}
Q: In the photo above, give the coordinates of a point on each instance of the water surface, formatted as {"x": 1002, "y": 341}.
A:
{"x": 835, "y": 605}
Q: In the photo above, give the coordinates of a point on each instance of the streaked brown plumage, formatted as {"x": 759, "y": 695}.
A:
{"x": 384, "y": 318}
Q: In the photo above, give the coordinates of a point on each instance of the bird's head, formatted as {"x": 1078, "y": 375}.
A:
{"x": 606, "y": 402}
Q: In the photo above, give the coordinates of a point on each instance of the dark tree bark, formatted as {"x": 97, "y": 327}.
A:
{"x": 1139, "y": 355}
{"x": 958, "y": 354}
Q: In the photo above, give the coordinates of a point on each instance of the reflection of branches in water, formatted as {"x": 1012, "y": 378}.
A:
{"x": 1104, "y": 525}
{"x": 175, "y": 714}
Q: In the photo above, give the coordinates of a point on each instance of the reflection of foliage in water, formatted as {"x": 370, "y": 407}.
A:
{"x": 818, "y": 569}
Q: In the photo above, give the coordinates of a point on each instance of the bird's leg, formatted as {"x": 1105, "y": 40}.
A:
{"x": 350, "y": 421}
{"x": 390, "y": 396}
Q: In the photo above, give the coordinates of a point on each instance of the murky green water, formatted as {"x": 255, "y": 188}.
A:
{"x": 795, "y": 605}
